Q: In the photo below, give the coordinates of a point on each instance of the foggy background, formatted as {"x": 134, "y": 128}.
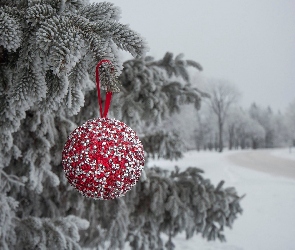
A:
{"x": 249, "y": 43}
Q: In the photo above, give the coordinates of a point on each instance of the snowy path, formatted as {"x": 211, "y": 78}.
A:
{"x": 268, "y": 221}
{"x": 264, "y": 161}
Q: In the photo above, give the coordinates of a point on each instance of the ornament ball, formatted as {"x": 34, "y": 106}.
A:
{"x": 103, "y": 158}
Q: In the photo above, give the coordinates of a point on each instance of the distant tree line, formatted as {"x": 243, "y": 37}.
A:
{"x": 221, "y": 122}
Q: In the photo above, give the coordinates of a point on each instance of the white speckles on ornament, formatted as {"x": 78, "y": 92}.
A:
{"x": 103, "y": 158}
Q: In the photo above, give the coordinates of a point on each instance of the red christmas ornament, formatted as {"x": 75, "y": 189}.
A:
{"x": 103, "y": 158}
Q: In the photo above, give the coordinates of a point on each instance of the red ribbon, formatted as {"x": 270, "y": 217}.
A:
{"x": 108, "y": 93}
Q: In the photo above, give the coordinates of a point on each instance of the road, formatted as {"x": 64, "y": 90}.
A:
{"x": 264, "y": 161}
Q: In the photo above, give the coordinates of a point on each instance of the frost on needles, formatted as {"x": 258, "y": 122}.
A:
{"x": 48, "y": 53}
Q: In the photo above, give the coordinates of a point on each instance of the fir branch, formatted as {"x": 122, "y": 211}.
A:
{"x": 39, "y": 13}
{"x": 122, "y": 35}
{"x": 79, "y": 84}
{"x": 57, "y": 88}
{"x": 100, "y": 12}
{"x": 12, "y": 179}
{"x": 10, "y": 31}
{"x": 59, "y": 232}
{"x": 194, "y": 64}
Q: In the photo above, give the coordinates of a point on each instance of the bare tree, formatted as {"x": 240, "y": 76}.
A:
{"x": 223, "y": 96}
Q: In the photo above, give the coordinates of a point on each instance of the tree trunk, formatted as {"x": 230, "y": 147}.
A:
{"x": 231, "y": 137}
{"x": 216, "y": 142}
{"x": 220, "y": 137}
{"x": 254, "y": 144}
{"x": 243, "y": 143}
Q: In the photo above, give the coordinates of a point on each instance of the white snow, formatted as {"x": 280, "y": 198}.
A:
{"x": 268, "y": 221}
{"x": 288, "y": 153}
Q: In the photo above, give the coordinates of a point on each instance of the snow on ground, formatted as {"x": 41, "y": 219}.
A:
{"x": 287, "y": 153}
{"x": 265, "y": 160}
{"x": 268, "y": 221}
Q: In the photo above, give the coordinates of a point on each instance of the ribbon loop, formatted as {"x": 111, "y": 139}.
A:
{"x": 108, "y": 93}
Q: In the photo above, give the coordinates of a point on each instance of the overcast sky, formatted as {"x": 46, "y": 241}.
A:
{"x": 248, "y": 42}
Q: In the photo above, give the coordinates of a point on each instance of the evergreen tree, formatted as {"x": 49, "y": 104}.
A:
{"x": 48, "y": 53}
{"x": 178, "y": 201}
{"x": 155, "y": 90}
{"x": 49, "y": 49}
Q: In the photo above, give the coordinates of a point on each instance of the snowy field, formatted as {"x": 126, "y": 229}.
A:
{"x": 268, "y": 220}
